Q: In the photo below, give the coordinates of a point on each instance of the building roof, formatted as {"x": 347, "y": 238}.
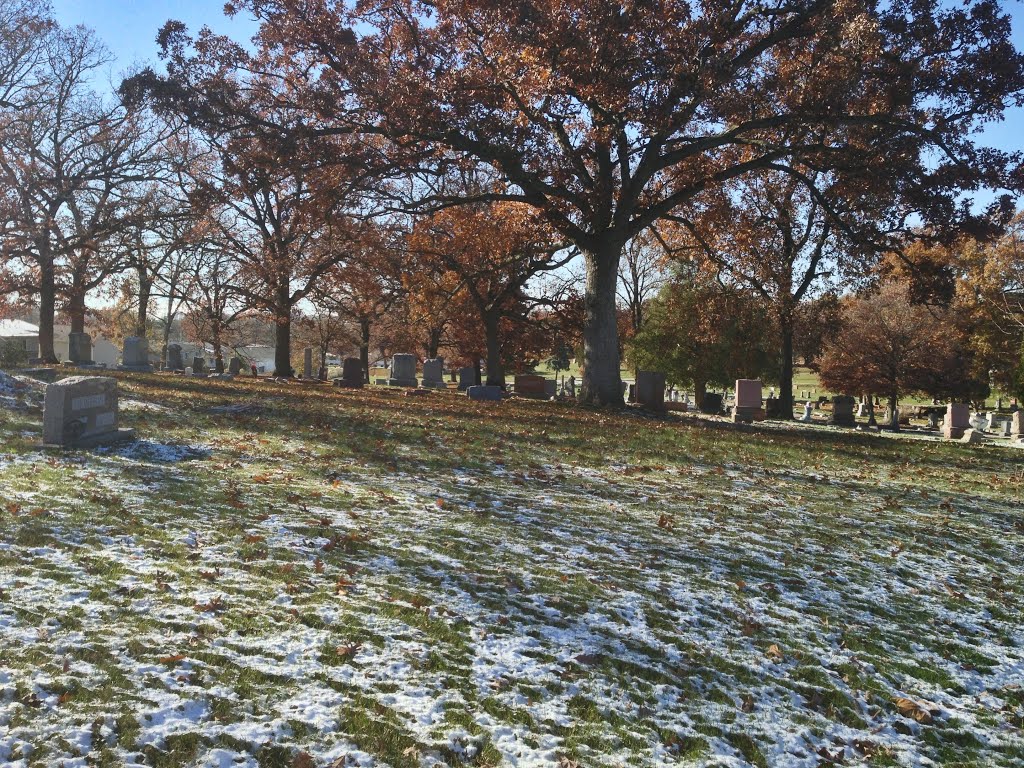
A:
{"x": 17, "y": 329}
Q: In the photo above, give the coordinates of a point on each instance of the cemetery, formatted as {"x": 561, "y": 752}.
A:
{"x": 546, "y": 385}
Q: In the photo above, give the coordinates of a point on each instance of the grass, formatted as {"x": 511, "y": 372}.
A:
{"x": 332, "y": 576}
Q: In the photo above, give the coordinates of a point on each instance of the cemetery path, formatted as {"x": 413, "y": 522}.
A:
{"x": 360, "y": 580}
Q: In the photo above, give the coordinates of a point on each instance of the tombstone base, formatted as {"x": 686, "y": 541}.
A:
{"x": 747, "y": 415}
{"x": 953, "y": 433}
{"x": 842, "y": 421}
{"x": 488, "y": 393}
{"x": 348, "y": 384}
{"x": 410, "y": 383}
{"x": 136, "y": 368}
{"x": 94, "y": 441}
{"x": 434, "y": 385}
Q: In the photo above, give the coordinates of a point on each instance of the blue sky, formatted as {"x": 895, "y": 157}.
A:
{"x": 129, "y": 27}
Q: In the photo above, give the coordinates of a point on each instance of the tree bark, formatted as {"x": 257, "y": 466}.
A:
{"x": 871, "y": 411}
{"x": 76, "y": 310}
{"x": 47, "y": 311}
{"x": 145, "y": 290}
{"x": 495, "y": 370}
{"x": 433, "y": 342}
{"x": 894, "y": 414}
{"x": 786, "y": 371}
{"x": 700, "y": 388}
{"x": 364, "y": 347}
{"x": 602, "y": 384}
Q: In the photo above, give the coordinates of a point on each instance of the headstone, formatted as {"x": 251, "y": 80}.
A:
{"x": 993, "y": 422}
{"x": 529, "y": 384}
{"x": 933, "y": 419}
{"x": 235, "y": 366}
{"x": 81, "y": 411}
{"x": 1017, "y": 424}
{"x": 711, "y": 404}
{"x": 958, "y": 419}
{"x": 862, "y": 410}
{"x": 1006, "y": 429}
{"x": 351, "y": 374}
{"x": 979, "y": 421}
{"x": 199, "y": 365}
{"x": 188, "y": 370}
{"x": 748, "y": 401}
{"x": 80, "y": 348}
{"x": 773, "y": 409}
{"x": 433, "y": 374}
{"x": 307, "y": 363}
{"x": 490, "y": 393}
{"x": 135, "y": 356}
{"x": 550, "y": 387}
{"x": 175, "y": 362}
{"x": 572, "y": 386}
{"x": 650, "y": 390}
{"x": 808, "y": 416}
{"x": 403, "y": 371}
{"x": 842, "y": 411}
{"x": 972, "y": 436}
{"x": 467, "y": 378}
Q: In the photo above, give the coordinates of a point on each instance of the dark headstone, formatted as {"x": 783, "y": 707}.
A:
{"x": 650, "y": 390}
{"x": 351, "y": 374}
{"x": 711, "y": 403}
{"x": 490, "y": 393}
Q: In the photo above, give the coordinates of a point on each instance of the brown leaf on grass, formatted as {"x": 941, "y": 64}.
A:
{"x": 303, "y": 760}
{"x": 921, "y": 711}
{"x": 774, "y": 653}
{"x": 954, "y": 592}
{"x": 350, "y": 649}
{"x": 216, "y": 605}
{"x": 590, "y": 659}
{"x": 172, "y": 659}
{"x": 747, "y": 704}
{"x": 318, "y": 565}
{"x": 667, "y": 522}
{"x": 14, "y": 508}
{"x": 64, "y": 698}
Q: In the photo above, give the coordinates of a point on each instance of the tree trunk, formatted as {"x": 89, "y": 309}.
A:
{"x": 218, "y": 348}
{"x": 433, "y": 342}
{"x": 495, "y": 371}
{"x": 47, "y": 311}
{"x": 283, "y": 332}
{"x": 786, "y": 372}
{"x": 76, "y": 310}
{"x": 145, "y": 290}
{"x": 871, "y": 411}
{"x": 364, "y": 347}
{"x": 894, "y": 414}
{"x": 476, "y": 374}
{"x": 700, "y": 388}
{"x": 602, "y": 384}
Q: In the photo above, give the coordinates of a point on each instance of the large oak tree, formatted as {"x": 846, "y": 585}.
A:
{"x": 608, "y": 116}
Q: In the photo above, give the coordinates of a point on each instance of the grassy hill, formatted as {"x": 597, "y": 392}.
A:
{"x": 293, "y": 575}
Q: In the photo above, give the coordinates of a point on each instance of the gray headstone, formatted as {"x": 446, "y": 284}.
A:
{"x": 1017, "y": 423}
{"x": 467, "y": 378}
{"x": 403, "y": 371}
{"x": 80, "y": 348}
{"x": 307, "y": 363}
{"x": 842, "y": 411}
{"x": 235, "y": 366}
{"x": 433, "y": 374}
{"x": 808, "y": 416}
{"x": 135, "y": 355}
{"x": 81, "y": 411}
{"x": 198, "y": 365}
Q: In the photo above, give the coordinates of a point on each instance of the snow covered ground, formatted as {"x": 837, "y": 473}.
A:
{"x": 361, "y": 580}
